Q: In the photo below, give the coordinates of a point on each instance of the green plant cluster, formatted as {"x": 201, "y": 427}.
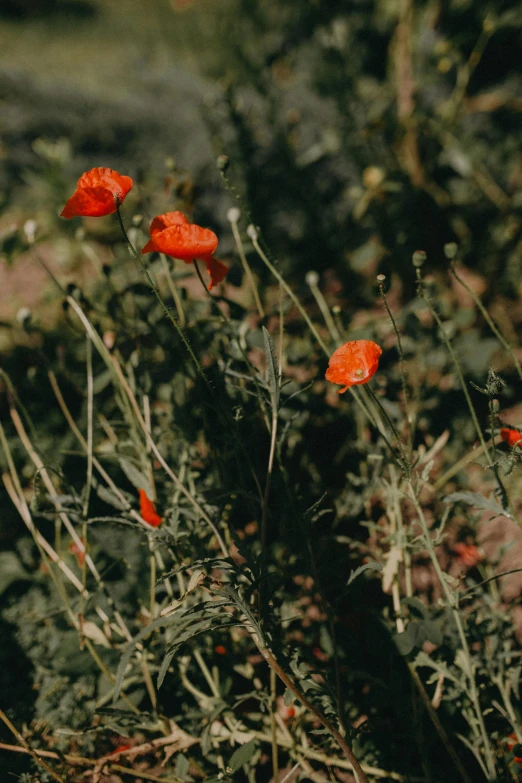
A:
{"x": 329, "y": 579}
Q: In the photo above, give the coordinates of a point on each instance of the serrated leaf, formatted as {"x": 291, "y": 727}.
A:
{"x": 194, "y": 581}
{"x": 242, "y": 756}
{"x": 165, "y": 667}
{"x": 373, "y": 566}
{"x": 477, "y": 500}
{"x": 129, "y": 649}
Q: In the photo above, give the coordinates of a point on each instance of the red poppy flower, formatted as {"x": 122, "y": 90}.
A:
{"x": 96, "y": 194}
{"x": 173, "y": 235}
{"x": 468, "y": 554}
{"x": 353, "y": 363}
{"x": 148, "y": 511}
{"x": 511, "y": 437}
{"x": 220, "y": 650}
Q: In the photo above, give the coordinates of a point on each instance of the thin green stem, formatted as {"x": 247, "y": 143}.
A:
{"x": 164, "y": 307}
{"x": 298, "y": 693}
{"x": 401, "y": 362}
{"x": 252, "y": 233}
{"x": 244, "y": 261}
{"x": 403, "y": 461}
{"x": 498, "y": 334}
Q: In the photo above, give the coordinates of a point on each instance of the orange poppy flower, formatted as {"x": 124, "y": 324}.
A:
{"x": 468, "y": 554}
{"x": 96, "y": 194}
{"x": 353, "y": 363}
{"x": 511, "y": 437}
{"x": 173, "y": 235}
{"x": 148, "y": 510}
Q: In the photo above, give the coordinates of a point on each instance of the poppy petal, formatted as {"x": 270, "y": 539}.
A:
{"x": 217, "y": 271}
{"x": 511, "y": 437}
{"x": 117, "y": 184}
{"x": 96, "y": 193}
{"x": 148, "y": 510}
{"x": 150, "y": 247}
{"x": 89, "y": 202}
{"x": 186, "y": 242}
{"x": 353, "y": 363}
{"x": 162, "y": 222}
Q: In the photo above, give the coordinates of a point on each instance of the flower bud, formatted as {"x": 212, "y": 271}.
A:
{"x": 30, "y": 230}
{"x": 223, "y": 163}
{"x": 312, "y": 278}
{"x": 450, "y": 250}
{"x": 24, "y": 316}
{"x": 418, "y": 258}
{"x": 233, "y": 214}
{"x": 252, "y": 232}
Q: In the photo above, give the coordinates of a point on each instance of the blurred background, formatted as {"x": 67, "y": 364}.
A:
{"x": 357, "y": 132}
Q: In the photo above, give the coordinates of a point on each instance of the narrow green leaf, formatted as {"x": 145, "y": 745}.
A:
{"x": 373, "y": 566}
{"x": 272, "y": 369}
{"x": 135, "y": 476}
{"x": 242, "y": 756}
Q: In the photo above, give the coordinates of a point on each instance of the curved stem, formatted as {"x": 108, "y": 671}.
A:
{"x": 290, "y": 684}
{"x": 164, "y": 307}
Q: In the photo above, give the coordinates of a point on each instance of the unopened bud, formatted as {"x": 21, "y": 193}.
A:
{"x": 381, "y": 278}
{"x": 450, "y": 250}
{"x": 137, "y": 220}
{"x": 252, "y": 232}
{"x": 23, "y": 316}
{"x": 223, "y": 162}
{"x": 233, "y": 215}
{"x": 418, "y": 258}
{"x": 495, "y": 406}
{"x": 30, "y": 230}
{"x": 372, "y": 177}
{"x": 312, "y": 278}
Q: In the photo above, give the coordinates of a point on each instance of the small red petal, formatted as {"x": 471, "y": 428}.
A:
{"x": 217, "y": 271}
{"x": 150, "y": 247}
{"x": 511, "y": 436}
{"x": 148, "y": 510}
{"x": 120, "y": 749}
{"x": 89, "y": 202}
{"x": 186, "y": 242}
{"x": 117, "y": 184}
{"x": 161, "y": 222}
